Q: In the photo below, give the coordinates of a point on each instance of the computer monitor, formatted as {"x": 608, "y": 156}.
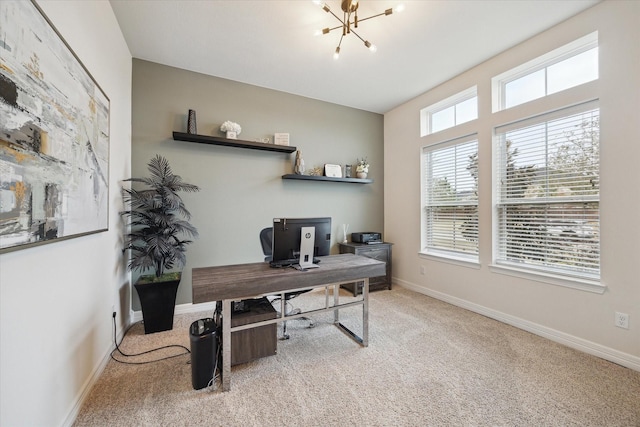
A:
{"x": 286, "y": 238}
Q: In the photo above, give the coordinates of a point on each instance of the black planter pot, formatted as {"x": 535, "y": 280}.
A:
{"x": 158, "y": 301}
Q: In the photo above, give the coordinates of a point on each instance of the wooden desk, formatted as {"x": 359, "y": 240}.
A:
{"x": 237, "y": 282}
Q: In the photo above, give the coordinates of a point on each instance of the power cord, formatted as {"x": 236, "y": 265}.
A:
{"x": 213, "y": 382}
{"x": 216, "y": 379}
{"x": 144, "y": 352}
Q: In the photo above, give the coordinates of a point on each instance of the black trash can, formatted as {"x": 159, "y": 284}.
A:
{"x": 203, "y": 352}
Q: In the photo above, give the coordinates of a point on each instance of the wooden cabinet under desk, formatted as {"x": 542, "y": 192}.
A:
{"x": 252, "y": 344}
{"x": 378, "y": 251}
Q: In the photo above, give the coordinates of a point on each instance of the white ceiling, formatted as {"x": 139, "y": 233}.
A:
{"x": 272, "y": 44}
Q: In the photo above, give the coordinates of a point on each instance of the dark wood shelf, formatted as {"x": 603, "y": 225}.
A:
{"x": 237, "y": 143}
{"x": 327, "y": 178}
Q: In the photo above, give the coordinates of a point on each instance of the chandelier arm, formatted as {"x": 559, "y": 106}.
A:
{"x": 372, "y": 16}
{"x": 336, "y": 16}
{"x": 334, "y": 28}
{"x": 358, "y": 35}
{"x": 347, "y": 22}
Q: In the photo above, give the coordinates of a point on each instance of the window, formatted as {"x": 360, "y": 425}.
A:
{"x": 455, "y": 110}
{"x": 450, "y": 199}
{"x": 568, "y": 66}
{"x": 548, "y": 193}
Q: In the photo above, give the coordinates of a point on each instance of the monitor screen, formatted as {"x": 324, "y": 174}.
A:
{"x": 286, "y": 238}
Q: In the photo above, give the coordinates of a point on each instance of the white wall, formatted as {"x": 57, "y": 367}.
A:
{"x": 581, "y": 319}
{"x": 56, "y": 299}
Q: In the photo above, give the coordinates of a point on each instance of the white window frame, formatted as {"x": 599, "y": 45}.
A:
{"x": 461, "y": 257}
{"x": 499, "y": 82}
{"x": 427, "y": 113}
{"x": 588, "y": 281}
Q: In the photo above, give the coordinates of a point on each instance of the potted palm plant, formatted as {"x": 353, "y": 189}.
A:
{"x": 157, "y": 226}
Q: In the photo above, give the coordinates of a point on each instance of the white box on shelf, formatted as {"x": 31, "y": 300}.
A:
{"x": 281, "y": 139}
{"x": 333, "y": 171}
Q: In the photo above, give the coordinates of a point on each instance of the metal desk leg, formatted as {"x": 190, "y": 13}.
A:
{"x": 226, "y": 345}
{"x": 364, "y": 341}
{"x": 365, "y": 312}
{"x": 336, "y": 302}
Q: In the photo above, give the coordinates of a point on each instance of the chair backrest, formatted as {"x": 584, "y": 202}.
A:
{"x": 266, "y": 240}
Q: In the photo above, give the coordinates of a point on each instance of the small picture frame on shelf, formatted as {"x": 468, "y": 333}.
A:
{"x": 281, "y": 139}
{"x": 232, "y": 135}
{"x": 333, "y": 171}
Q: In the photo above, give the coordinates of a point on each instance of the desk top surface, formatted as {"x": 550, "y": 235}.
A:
{"x": 248, "y": 280}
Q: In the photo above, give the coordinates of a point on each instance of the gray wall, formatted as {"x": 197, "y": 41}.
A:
{"x": 242, "y": 190}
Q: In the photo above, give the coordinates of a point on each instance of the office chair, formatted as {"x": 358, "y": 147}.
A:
{"x": 266, "y": 240}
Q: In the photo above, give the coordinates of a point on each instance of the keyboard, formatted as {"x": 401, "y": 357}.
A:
{"x": 289, "y": 262}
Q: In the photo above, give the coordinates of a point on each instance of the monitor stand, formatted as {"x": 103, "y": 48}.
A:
{"x": 307, "y": 243}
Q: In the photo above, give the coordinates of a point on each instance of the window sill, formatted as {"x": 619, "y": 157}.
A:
{"x": 461, "y": 261}
{"x": 552, "y": 279}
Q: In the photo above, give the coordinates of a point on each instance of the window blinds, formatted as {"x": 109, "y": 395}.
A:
{"x": 450, "y": 198}
{"x": 548, "y": 192}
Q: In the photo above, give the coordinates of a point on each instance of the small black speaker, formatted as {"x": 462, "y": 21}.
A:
{"x": 204, "y": 346}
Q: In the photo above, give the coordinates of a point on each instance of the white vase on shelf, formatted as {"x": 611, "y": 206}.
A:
{"x": 361, "y": 175}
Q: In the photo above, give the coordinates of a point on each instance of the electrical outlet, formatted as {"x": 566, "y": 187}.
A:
{"x": 622, "y": 320}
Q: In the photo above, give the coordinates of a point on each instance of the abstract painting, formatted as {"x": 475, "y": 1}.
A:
{"x": 54, "y": 135}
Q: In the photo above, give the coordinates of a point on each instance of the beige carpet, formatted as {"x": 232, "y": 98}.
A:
{"x": 428, "y": 364}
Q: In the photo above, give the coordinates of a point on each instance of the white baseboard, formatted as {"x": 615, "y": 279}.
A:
{"x": 628, "y": 360}
{"x": 89, "y": 383}
{"x": 136, "y": 316}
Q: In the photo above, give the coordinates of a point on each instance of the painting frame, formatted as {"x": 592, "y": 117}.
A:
{"x": 54, "y": 135}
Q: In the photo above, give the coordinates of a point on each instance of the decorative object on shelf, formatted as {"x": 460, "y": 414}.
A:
{"x": 347, "y": 171}
{"x": 362, "y": 169}
{"x": 158, "y": 223}
{"x": 317, "y": 171}
{"x": 191, "y": 123}
{"x": 264, "y": 140}
{"x": 232, "y": 129}
{"x": 350, "y": 11}
{"x": 299, "y": 165}
{"x": 345, "y": 229}
{"x": 281, "y": 139}
{"x": 334, "y": 171}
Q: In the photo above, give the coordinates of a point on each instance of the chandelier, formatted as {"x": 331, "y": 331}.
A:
{"x": 350, "y": 21}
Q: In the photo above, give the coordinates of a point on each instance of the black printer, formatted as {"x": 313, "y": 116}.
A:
{"x": 368, "y": 237}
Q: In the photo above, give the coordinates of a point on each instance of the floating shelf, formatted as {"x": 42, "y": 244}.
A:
{"x": 237, "y": 143}
{"x": 327, "y": 178}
